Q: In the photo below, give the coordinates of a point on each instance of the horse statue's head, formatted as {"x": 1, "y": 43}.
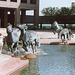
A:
{"x": 9, "y": 28}
{"x": 55, "y": 25}
{"x": 22, "y": 27}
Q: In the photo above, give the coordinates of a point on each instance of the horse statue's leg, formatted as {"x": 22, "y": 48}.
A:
{"x": 58, "y": 35}
{"x": 25, "y": 46}
{"x": 54, "y": 32}
{"x": 37, "y": 43}
{"x": 65, "y": 40}
{"x": 68, "y": 36}
{"x": 32, "y": 47}
{"x": 15, "y": 48}
{"x": 62, "y": 38}
{"x": 10, "y": 48}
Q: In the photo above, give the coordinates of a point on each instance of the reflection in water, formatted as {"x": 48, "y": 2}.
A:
{"x": 30, "y": 70}
{"x": 59, "y": 61}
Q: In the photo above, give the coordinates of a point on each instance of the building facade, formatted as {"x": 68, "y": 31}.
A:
{"x": 12, "y": 11}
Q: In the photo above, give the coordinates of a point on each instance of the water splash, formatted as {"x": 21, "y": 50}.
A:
{"x": 40, "y": 52}
{"x": 21, "y": 52}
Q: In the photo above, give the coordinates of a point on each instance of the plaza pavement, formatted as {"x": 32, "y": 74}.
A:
{"x": 47, "y": 37}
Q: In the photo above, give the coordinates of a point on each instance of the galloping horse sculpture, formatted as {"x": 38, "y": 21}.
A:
{"x": 12, "y": 38}
{"x": 28, "y": 37}
{"x": 56, "y": 26}
{"x": 62, "y": 32}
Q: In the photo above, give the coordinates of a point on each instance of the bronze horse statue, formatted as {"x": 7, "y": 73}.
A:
{"x": 28, "y": 37}
{"x": 62, "y": 32}
{"x": 12, "y": 38}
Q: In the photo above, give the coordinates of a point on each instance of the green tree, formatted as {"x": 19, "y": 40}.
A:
{"x": 73, "y": 9}
{"x": 53, "y": 11}
{"x": 65, "y": 11}
{"x": 50, "y": 11}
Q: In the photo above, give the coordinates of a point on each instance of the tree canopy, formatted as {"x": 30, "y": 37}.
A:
{"x": 53, "y": 11}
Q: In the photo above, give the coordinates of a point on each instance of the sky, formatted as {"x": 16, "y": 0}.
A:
{"x": 54, "y": 3}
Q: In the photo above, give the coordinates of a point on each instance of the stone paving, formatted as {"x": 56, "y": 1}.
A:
{"x": 48, "y": 38}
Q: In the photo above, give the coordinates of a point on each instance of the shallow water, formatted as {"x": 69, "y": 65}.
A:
{"x": 59, "y": 60}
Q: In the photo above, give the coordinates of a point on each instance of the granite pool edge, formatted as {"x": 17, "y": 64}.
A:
{"x": 12, "y": 65}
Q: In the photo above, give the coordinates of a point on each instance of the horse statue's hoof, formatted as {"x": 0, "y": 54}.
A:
{"x": 30, "y": 56}
{"x": 25, "y": 49}
{"x": 65, "y": 42}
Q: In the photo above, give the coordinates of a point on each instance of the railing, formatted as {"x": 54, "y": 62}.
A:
{"x": 60, "y": 19}
{"x": 50, "y": 19}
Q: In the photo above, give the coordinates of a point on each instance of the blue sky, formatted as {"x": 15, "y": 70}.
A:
{"x": 54, "y": 3}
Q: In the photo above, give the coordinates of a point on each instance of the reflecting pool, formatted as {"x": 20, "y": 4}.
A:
{"x": 58, "y": 60}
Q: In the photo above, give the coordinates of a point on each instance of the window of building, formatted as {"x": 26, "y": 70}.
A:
{"x": 8, "y": 12}
{"x": 23, "y": 1}
{"x": 13, "y": 0}
{"x": 30, "y": 12}
{"x": 33, "y": 1}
